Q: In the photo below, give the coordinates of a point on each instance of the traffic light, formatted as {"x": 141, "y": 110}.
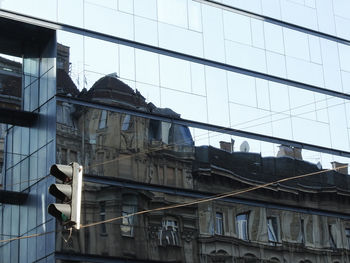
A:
{"x": 69, "y": 193}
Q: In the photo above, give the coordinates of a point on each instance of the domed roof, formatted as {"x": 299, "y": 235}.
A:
{"x": 112, "y": 83}
{"x": 110, "y": 89}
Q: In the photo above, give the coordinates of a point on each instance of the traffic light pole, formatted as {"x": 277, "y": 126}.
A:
{"x": 76, "y": 195}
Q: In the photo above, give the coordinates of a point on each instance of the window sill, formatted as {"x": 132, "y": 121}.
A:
{"x": 169, "y": 246}
{"x": 127, "y": 236}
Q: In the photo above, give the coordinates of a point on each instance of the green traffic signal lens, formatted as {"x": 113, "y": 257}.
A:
{"x": 64, "y": 217}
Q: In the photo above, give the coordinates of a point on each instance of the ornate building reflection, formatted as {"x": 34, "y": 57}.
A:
{"x": 302, "y": 220}
{"x": 300, "y": 225}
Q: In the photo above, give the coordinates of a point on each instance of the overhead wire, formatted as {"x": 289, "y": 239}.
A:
{"x": 162, "y": 147}
{"x": 215, "y": 197}
{"x": 24, "y": 237}
{"x": 26, "y": 181}
{"x": 222, "y": 129}
{"x": 278, "y": 113}
{"x": 220, "y": 196}
{"x": 198, "y": 201}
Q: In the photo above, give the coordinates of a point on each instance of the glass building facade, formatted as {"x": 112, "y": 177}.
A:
{"x": 258, "y": 75}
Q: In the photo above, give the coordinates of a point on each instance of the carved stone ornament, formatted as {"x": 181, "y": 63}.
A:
{"x": 188, "y": 235}
{"x": 153, "y": 232}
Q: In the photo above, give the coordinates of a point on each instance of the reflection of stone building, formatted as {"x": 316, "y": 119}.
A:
{"x": 292, "y": 221}
{"x": 10, "y": 84}
{"x": 304, "y": 220}
{"x": 120, "y": 145}
{"x": 10, "y": 94}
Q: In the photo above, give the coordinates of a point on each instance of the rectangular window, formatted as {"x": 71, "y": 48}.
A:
{"x": 127, "y": 226}
{"x": 126, "y": 123}
{"x": 302, "y": 231}
{"x": 103, "y": 217}
{"x": 103, "y": 120}
{"x": 331, "y": 231}
{"x": 347, "y": 234}
{"x": 219, "y": 224}
{"x": 242, "y": 226}
{"x": 272, "y": 229}
{"x": 169, "y": 233}
{"x": 129, "y": 208}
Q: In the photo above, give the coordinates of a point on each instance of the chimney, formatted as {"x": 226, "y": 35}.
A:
{"x": 227, "y": 146}
{"x": 340, "y": 167}
{"x": 289, "y": 151}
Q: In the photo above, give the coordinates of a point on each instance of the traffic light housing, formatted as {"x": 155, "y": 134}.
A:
{"x": 68, "y": 192}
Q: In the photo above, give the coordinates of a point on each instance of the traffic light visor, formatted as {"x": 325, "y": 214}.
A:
{"x": 61, "y": 211}
{"x": 62, "y": 172}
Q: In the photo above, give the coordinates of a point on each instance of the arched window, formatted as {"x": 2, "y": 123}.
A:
{"x": 219, "y": 256}
{"x": 275, "y": 260}
{"x": 250, "y": 258}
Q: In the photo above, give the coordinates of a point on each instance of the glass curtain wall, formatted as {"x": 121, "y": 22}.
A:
{"x": 166, "y": 155}
{"x": 29, "y": 152}
{"x": 200, "y": 62}
{"x": 210, "y": 32}
{"x": 215, "y": 96}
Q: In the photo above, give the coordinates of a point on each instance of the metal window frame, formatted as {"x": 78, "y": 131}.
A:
{"x": 171, "y": 53}
{"x": 124, "y": 183}
{"x": 219, "y": 223}
{"x": 204, "y": 126}
{"x": 275, "y": 21}
{"x": 271, "y": 227}
{"x": 244, "y": 230}
{"x": 207, "y": 62}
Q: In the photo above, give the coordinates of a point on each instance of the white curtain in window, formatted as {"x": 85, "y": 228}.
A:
{"x": 219, "y": 224}
{"x": 272, "y": 232}
{"x": 242, "y": 226}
